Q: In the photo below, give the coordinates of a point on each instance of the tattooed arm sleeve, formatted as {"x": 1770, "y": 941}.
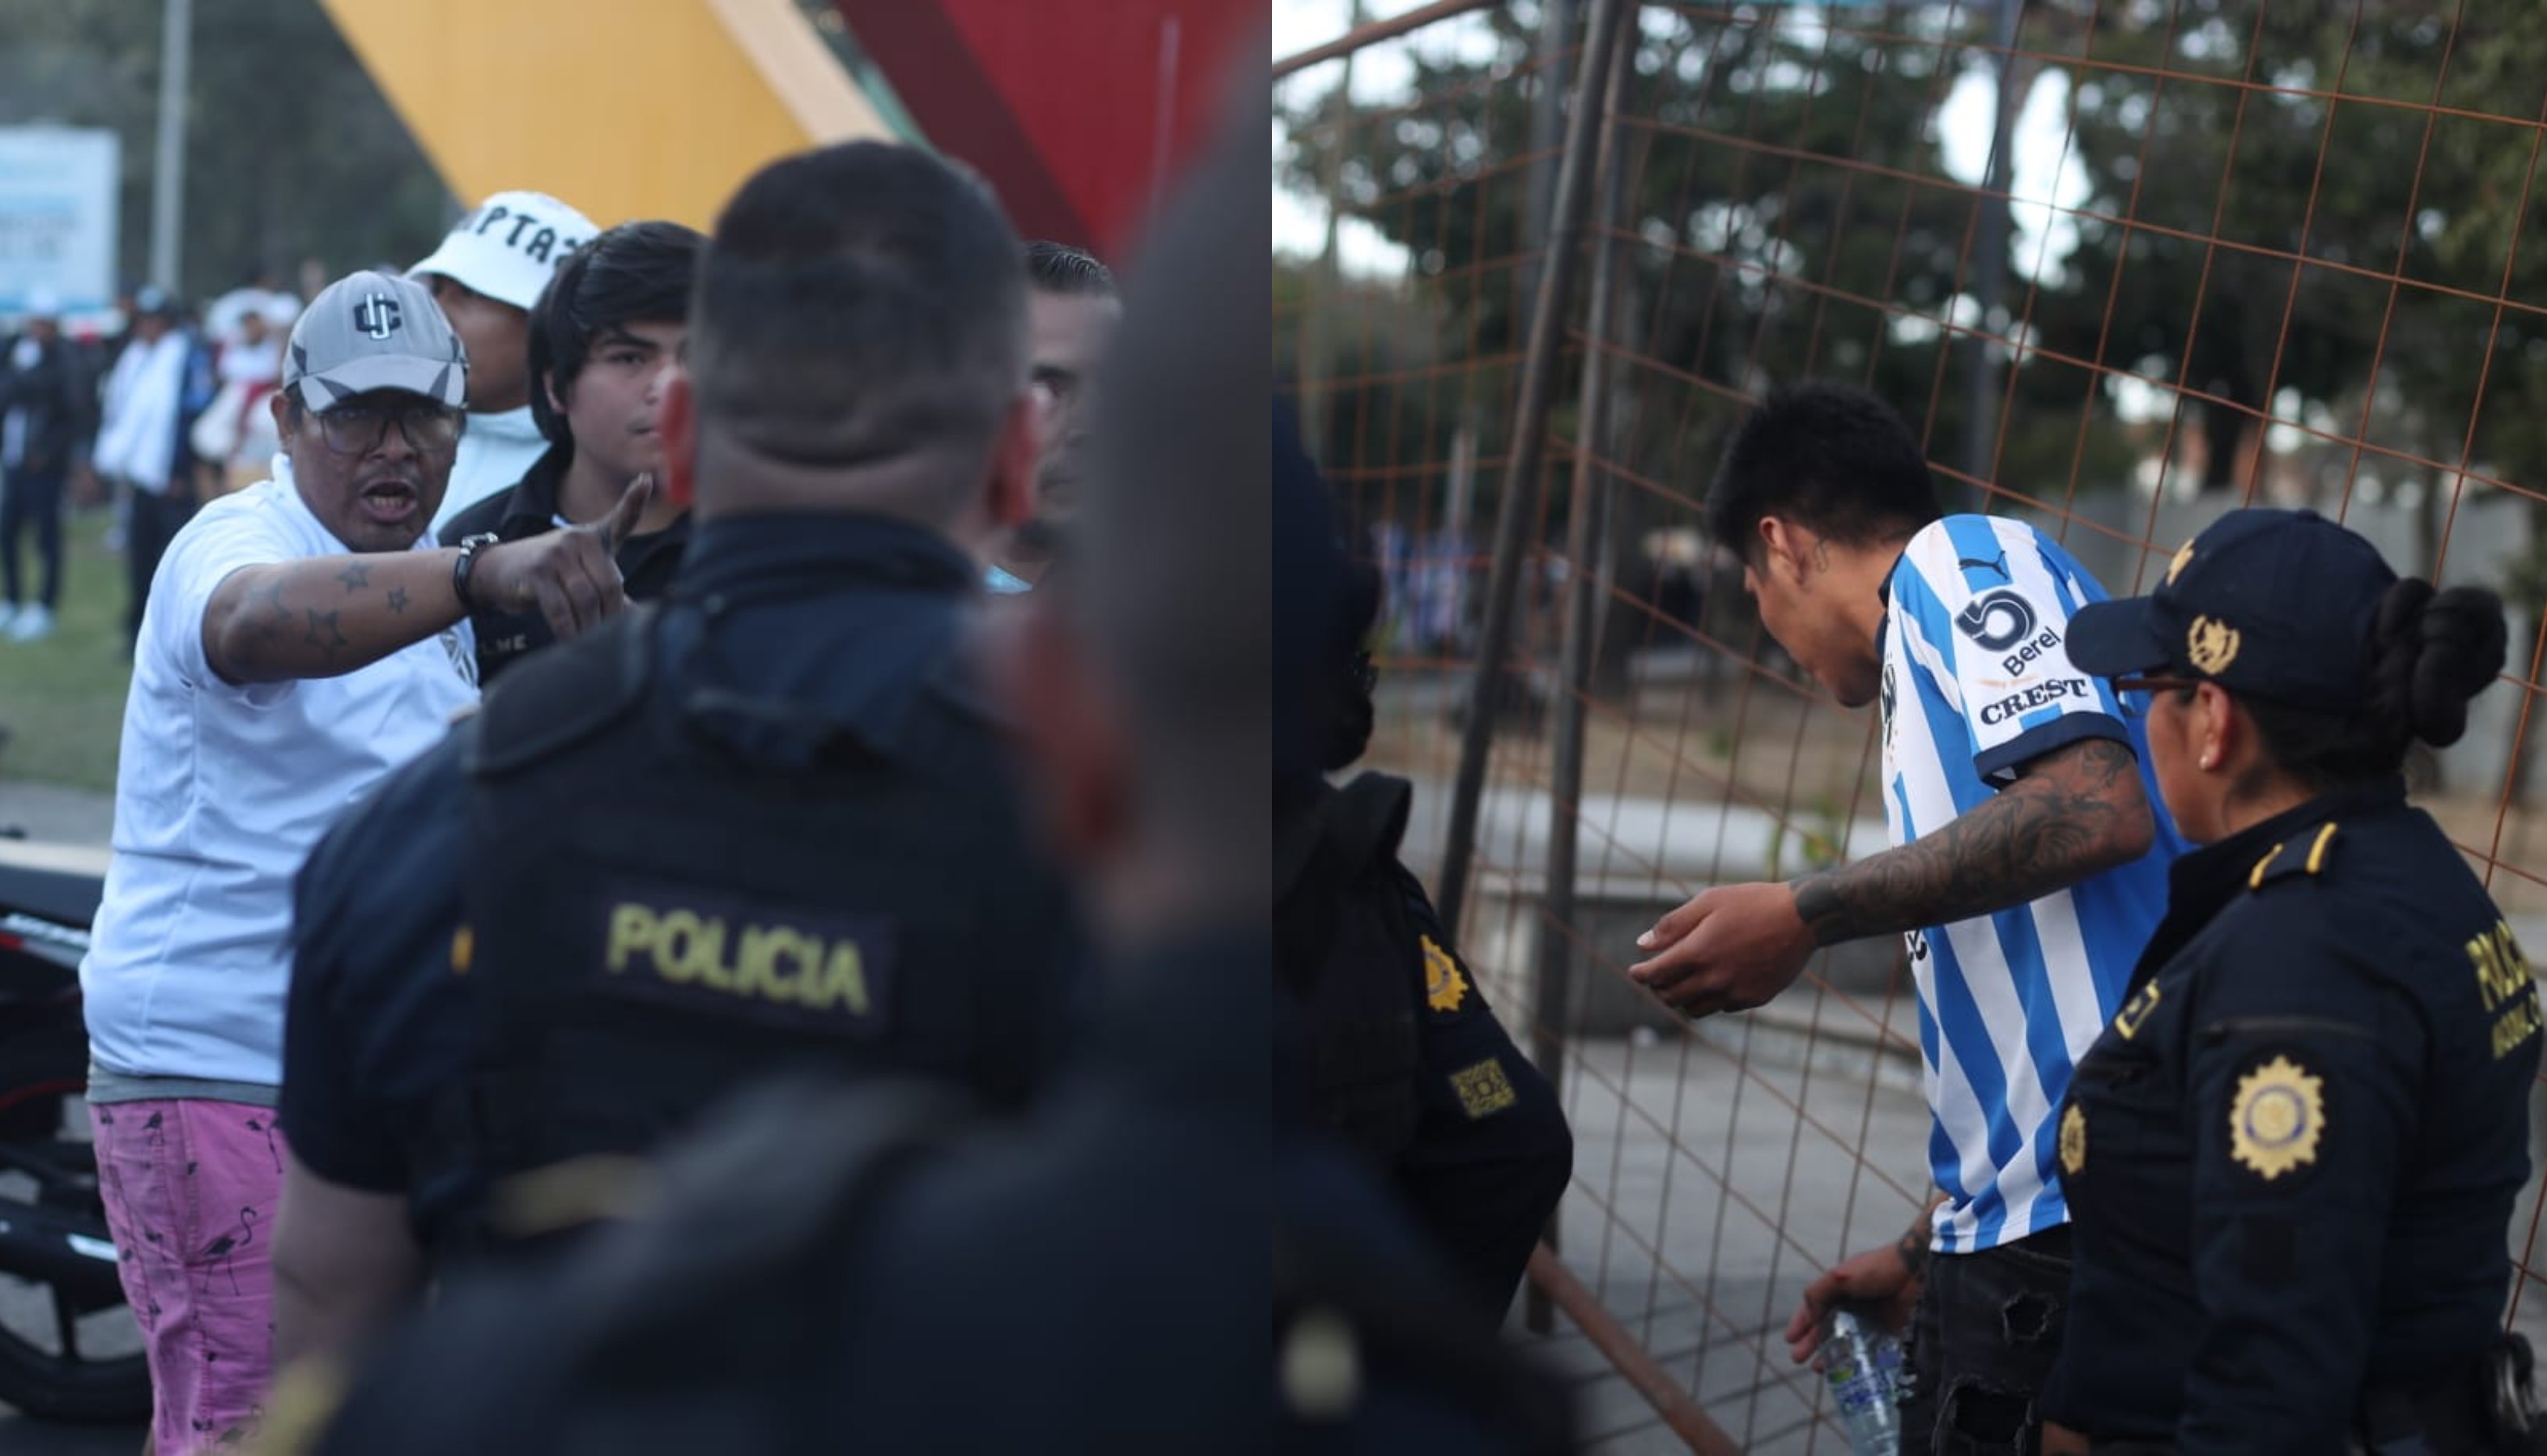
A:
{"x": 2072, "y": 814}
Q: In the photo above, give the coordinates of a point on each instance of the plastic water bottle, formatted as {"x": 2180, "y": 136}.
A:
{"x": 1864, "y": 1366}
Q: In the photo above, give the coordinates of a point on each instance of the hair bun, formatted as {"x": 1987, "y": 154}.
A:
{"x": 2435, "y": 650}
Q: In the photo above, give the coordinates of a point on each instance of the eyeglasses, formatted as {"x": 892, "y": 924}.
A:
{"x": 359, "y": 429}
{"x": 2152, "y": 683}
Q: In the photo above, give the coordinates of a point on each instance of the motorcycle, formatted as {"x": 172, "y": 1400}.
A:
{"x": 69, "y": 1349}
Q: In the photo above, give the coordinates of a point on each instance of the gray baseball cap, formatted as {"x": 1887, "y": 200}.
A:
{"x": 375, "y": 331}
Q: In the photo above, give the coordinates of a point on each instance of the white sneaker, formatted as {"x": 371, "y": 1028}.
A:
{"x": 32, "y": 624}
{"x": 8, "y": 615}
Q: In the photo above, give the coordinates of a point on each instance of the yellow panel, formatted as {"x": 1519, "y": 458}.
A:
{"x": 623, "y": 108}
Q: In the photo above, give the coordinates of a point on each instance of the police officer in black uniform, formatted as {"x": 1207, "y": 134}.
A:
{"x": 605, "y": 335}
{"x": 858, "y": 1275}
{"x": 770, "y": 821}
{"x": 1406, "y": 1061}
{"x": 2292, "y": 1157}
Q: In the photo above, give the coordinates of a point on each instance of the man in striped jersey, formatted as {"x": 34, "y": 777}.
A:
{"x": 2028, "y": 871}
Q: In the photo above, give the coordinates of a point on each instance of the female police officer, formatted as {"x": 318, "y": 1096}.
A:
{"x": 2292, "y": 1156}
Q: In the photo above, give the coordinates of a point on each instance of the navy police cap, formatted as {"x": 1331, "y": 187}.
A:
{"x": 2273, "y": 604}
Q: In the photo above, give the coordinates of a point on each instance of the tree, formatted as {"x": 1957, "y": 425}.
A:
{"x": 292, "y": 152}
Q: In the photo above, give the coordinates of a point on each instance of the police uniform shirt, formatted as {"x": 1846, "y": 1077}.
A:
{"x": 646, "y": 563}
{"x": 2292, "y": 1156}
{"x": 868, "y": 611}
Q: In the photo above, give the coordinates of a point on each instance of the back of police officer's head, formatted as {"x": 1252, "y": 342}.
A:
{"x": 1140, "y": 678}
{"x": 858, "y": 345}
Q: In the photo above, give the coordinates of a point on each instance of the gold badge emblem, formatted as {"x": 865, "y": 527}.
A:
{"x": 1444, "y": 987}
{"x": 2276, "y": 1118}
{"x": 2183, "y": 559}
{"x": 2212, "y": 644}
{"x": 2073, "y": 1141}
{"x": 1483, "y": 1089}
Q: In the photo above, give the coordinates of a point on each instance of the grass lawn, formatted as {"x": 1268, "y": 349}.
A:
{"x": 62, "y": 699}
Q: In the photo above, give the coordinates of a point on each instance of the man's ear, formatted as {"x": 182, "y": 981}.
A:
{"x": 557, "y": 401}
{"x": 677, "y": 419}
{"x": 1078, "y": 758}
{"x": 1784, "y": 547}
{"x": 280, "y": 403}
{"x": 1012, "y": 496}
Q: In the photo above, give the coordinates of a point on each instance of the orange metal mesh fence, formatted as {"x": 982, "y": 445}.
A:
{"x": 2269, "y": 253}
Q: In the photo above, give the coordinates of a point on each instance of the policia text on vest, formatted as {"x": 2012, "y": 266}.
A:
{"x": 679, "y": 945}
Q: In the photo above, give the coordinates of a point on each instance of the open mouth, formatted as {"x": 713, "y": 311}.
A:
{"x": 388, "y": 502}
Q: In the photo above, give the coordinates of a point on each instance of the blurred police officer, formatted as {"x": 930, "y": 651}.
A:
{"x": 2292, "y": 1156}
{"x": 769, "y": 823}
{"x": 604, "y": 340}
{"x": 1407, "y": 1063}
{"x": 850, "y": 1274}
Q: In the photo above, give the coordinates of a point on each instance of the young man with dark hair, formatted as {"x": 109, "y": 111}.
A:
{"x": 2028, "y": 871}
{"x": 1073, "y": 310}
{"x": 606, "y": 334}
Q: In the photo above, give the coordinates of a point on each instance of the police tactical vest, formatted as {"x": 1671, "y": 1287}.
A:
{"x": 1347, "y": 949}
{"x": 656, "y": 918}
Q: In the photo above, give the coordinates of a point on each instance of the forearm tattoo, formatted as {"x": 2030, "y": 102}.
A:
{"x": 1913, "y": 1249}
{"x": 2048, "y": 829}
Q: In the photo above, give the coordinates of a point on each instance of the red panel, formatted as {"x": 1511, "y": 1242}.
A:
{"x": 1077, "y": 110}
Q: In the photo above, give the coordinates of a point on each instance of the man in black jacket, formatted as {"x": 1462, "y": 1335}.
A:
{"x": 606, "y": 334}
{"x": 44, "y": 407}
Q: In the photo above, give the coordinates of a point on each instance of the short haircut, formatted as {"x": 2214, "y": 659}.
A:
{"x": 1830, "y": 458}
{"x": 635, "y": 273}
{"x": 858, "y": 303}
{"x": 1059, "y": 268}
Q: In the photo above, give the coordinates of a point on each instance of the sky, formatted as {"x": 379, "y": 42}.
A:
{"x": 1381, "y": 73}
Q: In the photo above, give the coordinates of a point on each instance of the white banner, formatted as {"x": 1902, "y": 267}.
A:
{"x": 57, "y": 217}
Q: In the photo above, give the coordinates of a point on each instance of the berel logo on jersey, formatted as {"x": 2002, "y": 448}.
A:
{"x": 2041, "y": 695}
{"x": 1997, "y": 620}
{"x": 2014, "y": 664}
{"x": 2002, "y": 618}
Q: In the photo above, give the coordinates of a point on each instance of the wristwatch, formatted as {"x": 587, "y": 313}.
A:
{"x": 470, "y": 547}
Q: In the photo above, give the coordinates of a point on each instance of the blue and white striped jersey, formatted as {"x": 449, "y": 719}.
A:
{"x": 1976, "y": 682}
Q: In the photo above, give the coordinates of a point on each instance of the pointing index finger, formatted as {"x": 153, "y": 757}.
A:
{"x": 622, "y": 520}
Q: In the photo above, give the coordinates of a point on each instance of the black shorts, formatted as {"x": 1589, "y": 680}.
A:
{"x": 1982, "y": 1345}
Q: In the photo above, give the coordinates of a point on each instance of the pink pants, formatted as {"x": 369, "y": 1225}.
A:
{"x": 190, "y": 1188}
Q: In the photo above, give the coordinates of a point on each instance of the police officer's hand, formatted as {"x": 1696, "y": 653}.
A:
{"x": 570, "y": 576}
{"x": 1878, "y": 1283}
{"x": 1730, "y": 950}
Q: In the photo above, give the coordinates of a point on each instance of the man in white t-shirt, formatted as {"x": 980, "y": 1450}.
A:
{"x": 487, "y": 276}
{"x": 303, "y": 638}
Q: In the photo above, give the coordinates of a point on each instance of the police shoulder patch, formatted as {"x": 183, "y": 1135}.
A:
{"x": 797, "y": 967}
{"x": 1483, "y": 1090}
{"x": 2276, "y": 1118}
{"x": 1444, "y": 987}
